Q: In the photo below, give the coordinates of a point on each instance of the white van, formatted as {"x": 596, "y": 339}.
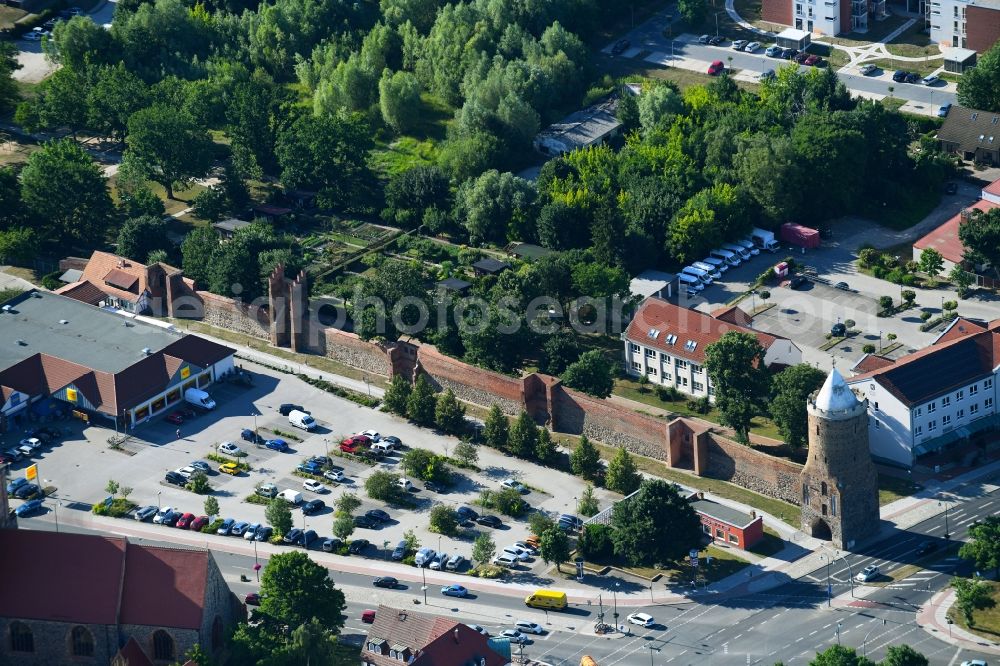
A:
{"x": 726, "y": 256}
{"x": 699, "y": 273}
{"x": 302, "y": 420}
{"x": 424, "y": 556}
{"x": 720, "y": 264}
{"x": 199, "y": 398}
{"x": 690, "y": 282}
{"x": 738, "y": 250}
{"x": 291, "y": 496}
{"x": 747, "y": 244}
{"x": 708, "y": 268}
{"x": 384, "y": 448}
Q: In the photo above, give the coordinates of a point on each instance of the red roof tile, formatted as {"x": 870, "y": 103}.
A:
{"x": 733, "y": 314}
{"x": 959, "y": 328}
{"x": 690, "y": 326}
{"x": 944, "y": 238}
{"x": 175, "y": 578}
{"x": 131, "y": 655}
{"x": 432, "y": 641}
{"x": 121, "y": 279}
{"x": 85, "y": 291}
{"x": 872, "y": 362}
{"x": 993, "y": 188}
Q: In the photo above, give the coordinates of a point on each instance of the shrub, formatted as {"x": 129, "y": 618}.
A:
{"x": 668, "y": 393}
{"x": 595, "y": 542}
{"x": 950, "y": 305}
{"x": 213, "y": 527}
{"x": 879, "y": 272}
{"x": 849, "y": 323}
{"x": 896, "y": 275}
{"x": 909, "y": 280}
{"x": 891, "y": 336}
{"x": 507, "y": 501}
{"x": 868, "y": 349}
{"x": 909, "y": 296}
{"x": 867, "y": 256}
{"x": 199, "y": 484}
{"x": 885, "y": 302}
{"x": 925, "y": 315}
{"x": 118, "y": 508}
{"x": 443, "y": 520}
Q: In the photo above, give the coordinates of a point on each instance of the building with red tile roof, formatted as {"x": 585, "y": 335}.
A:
{"x": 82, "y": 598}
{"x": 403, "y": 637}
{"x": 109, "y": 280}
{"x": 666, "y": 343}
{"x": 65, "y": 354}
{"x": 937, "y": 396}
{"x": 945, "y": 238}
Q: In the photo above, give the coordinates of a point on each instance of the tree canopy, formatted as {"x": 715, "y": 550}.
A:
{"x": 735, "y": 365}
{"x": 656, "y": 525}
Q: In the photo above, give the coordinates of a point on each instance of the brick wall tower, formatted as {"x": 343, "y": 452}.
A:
{"x": 277, "y": 299}
{"x": 298, "y": 312}
{"x": 839, "y": 484}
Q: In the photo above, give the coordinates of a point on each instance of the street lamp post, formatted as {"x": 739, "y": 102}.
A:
{"x": 158, "y": 505}
{"x": 864, "y": 643}
{"x": 55, "y": 508}
{"x": 651, "y": 651}
{"x": 850, "y": 571}
{"x": 256, "y": 564}
{"x": 423, "y": 574}
{"x": 838, "y": 632}
{"x": 880, "y": 340}
{"x": 947, "y": 532}
{"x": 615, "y": 591}
{"x": 829, "y": 590}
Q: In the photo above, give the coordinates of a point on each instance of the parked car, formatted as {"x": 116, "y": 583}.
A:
{"x": 620, "y": 47}
{"x": 293, "y": 536}
{"x": 15, "y": 484}
{"x": 248, "y": 435}
{"x": 573, "y": 521}
{"x": 199, "y": 523}
{"x": 640, "y": 619}
{"x": 843, "y": 286}
{"x": 704, "y": 39}
{"x": 942, "y": 112}
{"x": 226, "y": 525}
{"x": 490, "y": 521}
{"x": 788, "y": 54}
{"x": 773, "y": 51}
{"x": 868, "y": 69}
{"x": 201, "y": 466}
{"x": 455, "y": 563}
{"x": 454, "y": 591}
{"x": 186, "y": 472}
{"x": 239, "y": 528}
{"x": 313, "y": 486}
{"x": 505, "y": 560}
{"x": 230, "y": 468}
{"x": 309, "y": 467}
{"x": 478, "y": 629}
{"x": 386, "y": 581}
{"x": 27, "y": 491}
{"x": 251, "y": 531}
{"x": 798, "y": 282}
{"x": 529, "y": 627}
{"x": 365, "y": 522}
{"x": 252, "y": 599}
{"x": 175, "y": 478}
{"x": 800, "y": 57}
{"x": 162, "y": 514}
{"x": 717, "y": 67}
{"x": 334, "y": 475}
{"x": 323, "y": 461}
{"x": 358, "y": 546}
{"x": 521, "y": 554}
{"x": 424, "y": 556}
{"x": 28, "y": 508}
{"x": 912, "y": 77}
{"x": 751, "y": 47}
{"x": 330, "y": 545}
{"x": 313, "y": 506}
{"x": 230, "y": 449}
{"x": 373, "y": 435}
{"x": 810, "y": 60}
{"x": 185, "y": 521}
{"x": 514, "y": 636}
{"x": 399, "y": 552}
{"x": 739, "y": 44}
{"x": 466, "y": 513}
{"x": 33, "y": 444}
{"x": 276, "y": 444}
{"x": 308, "y": 537}
{"x": 716, "y": 40}
{"x": 899, "y": 76}
{"x": 357, "y": 441}
{"x": 404, "y": 483}
{"x": 379, "y": 515}
{"x": 175, "y": 417}
{"x": 439, "y": 561}
{"x": 264, "y": 533}
{"x": 267, "y": 490}
{"x": 394, "y": 441}
{"x": 172, "y": 518}
{"x": 287, "y": 408}
{"x": 869, "y": 573}
{"x": 514, "y": 484}
{"x": 145, "y": 513}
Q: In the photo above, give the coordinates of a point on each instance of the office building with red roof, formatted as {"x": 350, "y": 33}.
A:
{"x": 88, "y": 599}
{"x": 666, "y": 343}
{"x": 404, "y": 637}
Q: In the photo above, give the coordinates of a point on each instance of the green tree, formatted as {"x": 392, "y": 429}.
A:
{"x": 983, "y": 546}
{"x": 61, "y": 101}
{"x": 962, "y": 279}
{"x": 981, "y": 237}
{"x": 467, "y": 452}
{"x": 141, "y": 235}
{"x": 838, "y": 655}
{"x": 539, "y": 522}
{"x": 558, "y": 352}
{"x": 507, "y": 501}
{"x": 197, "y": 656}
{"x": 8, "y": 86}
{"x": 494, "y": 206}
{"x": 410, "y": 194}
{"x": 523, "y": 436}
{"x": 554, "y": 547}
{"x": 982, "y": 89}
{"x": 310, "y": 643}
{"x": 545, "y": 450}
{"x": 347, "y": 504}
{"x": 971, "y": 595}
{"x": 790, "y": 390}
{"x": 495, "y": 430}
{"x": 421, "y": 403}
{"x": 397, "y": 395}
{"x": 449, "y": 414}
{"x": 736, "y": 368}
{"x": 903, "y": 655}
{"x": 931, "y": 262}
{"x": 295, "y": 590}
{"x": 659, "y": 105}
{"x": 168, "y": 146}
{"x": 657, "y": 525}
{"x": 116, "y": 94}
{"x": 343, "y": 526}
{"x": 693, "y": 11}
{"x": 279, "y": 516}
{"x": 399, "y": 100}
{"x": 483, "y": 549}
{"x": 197, "y": 251}
{"x": 622, "y": 475}
{"x": 198, "y": 483}
{"x": 585, "y": 459}
{"x": 382, "y": 486}
{"x": 211, "y": 506}
{"x": 596, "y": 542}
{"x": 66, "y": 193}
{"x": 79, "y": 43}
{"x": 111, "y": 487}
{"x": 443, "y": 520}
{"x": 588, "y": 505}
{"x": 592, "y": 374}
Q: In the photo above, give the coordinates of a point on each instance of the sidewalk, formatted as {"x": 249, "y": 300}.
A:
{"x": 932, "y": 618}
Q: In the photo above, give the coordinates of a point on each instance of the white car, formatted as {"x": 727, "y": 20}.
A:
{"x": 870, "y": 572}
{"x": 520, "y": 553}
{"x": 529, "y": 627}
{"x": 251, "y": 531}
{"x": 404, "y": 483}
{"x": 506, "y": 560}
{"x": 186, "y": 472}
{"x": 751, "y": 47}
{"x": 641, "y": 619}
{"x": 526, "y": 546}
{"x": 930, "y": 80}
{"x": 230, "y": 449}
{"x": 974, "y": 662}
{"x": 35, "y": 35}
{"x": 314, "y": 486}
{"x": 514, "y": 635}
{"x": 32, "y": 443}
{"x": 334, "y": 475}
{"x": 513, "y": 484}
{"x": 372, "y": 435}
{"x": 478, "y": 629}
{"x": 162, "y": 514}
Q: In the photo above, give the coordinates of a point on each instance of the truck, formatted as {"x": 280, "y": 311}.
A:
{"x": 199, "y": 398}
{"x": 546, "y": 599}
{"x": 799, "y": 236}
{"x": 764, "y": 239}
{"x": 291, "y": 496}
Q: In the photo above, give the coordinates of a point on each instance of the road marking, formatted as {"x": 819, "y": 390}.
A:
{"x": 967, "y": 520}
{"x": 814, "y": 632}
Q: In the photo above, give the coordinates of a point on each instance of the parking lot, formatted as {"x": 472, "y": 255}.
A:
{"x": 80, "y": 466}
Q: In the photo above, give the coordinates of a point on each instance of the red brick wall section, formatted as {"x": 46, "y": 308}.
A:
{"x": 233, "y": 315}
{"x": 764, "y": 474}
{"x": 777, "y": 11}
{"x": 472, "y": 384}
{"x": 576, "y": 413}
{"x": 349, "y": 349}
{"x": 982, "y": 27}
{"x": 753, "y": 533}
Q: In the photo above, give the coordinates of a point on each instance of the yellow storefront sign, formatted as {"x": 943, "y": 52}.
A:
{"x": 71, "y": 394}
{"x": 31, "y": 473}
{"x": 185, "y": 372}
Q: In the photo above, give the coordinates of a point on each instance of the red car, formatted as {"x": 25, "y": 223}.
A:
{"x": 199, "y": 523}
{"x": 175, "y": 417}
{"x": 252, "y": 599}
{"x": 716, "y": 67}
{"x": 354, "y": 442}
{"x": 184, "y": 522}
{"x": 368, "y": 616}
{"x": 811, "y": 60}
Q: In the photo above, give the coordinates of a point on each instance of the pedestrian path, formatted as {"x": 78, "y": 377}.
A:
{"x": 933, "y": 618}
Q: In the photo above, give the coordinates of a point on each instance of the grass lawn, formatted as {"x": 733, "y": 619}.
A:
{"x": 636, "y": 69}
{"x": 725, "y": 562}
{"x": 913, "y": 43}
{"x": 8, "y": 15}
{"x": 892, "y": 488}
{"x": 923, "y": 68}
{"x": 182, "y": 200}
{"x": 28, "y": 274}
{"x": 985, "y": 622}
{"x": 893, "y": 103}
{"x": 950, "y": 76}
{"x": 789, "y": 513}
{"x": 419, "y": 147}
{"x": 628, "y": 388}
{"x": 877, "y": 30}
{"x": 907, "y": 213}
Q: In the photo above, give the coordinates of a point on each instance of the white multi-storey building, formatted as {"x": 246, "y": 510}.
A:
{"x": 928, "y": 400}
{"x": 667, "y": 343}
{"x": 972, "y": 24}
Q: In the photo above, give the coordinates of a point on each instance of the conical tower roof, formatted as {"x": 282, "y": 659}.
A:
{"x": 836, "y": 395}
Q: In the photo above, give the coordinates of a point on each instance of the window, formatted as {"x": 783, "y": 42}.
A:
{"x": 973, "y": 409}
{"x": 988, "y": 403}
{"x": 733, "y": 538}
{"x": 974, "y": 389}
{"x": 833, "y": 505}
{"x": 163, "y": 646}
{"x": 875, "y": 405}
{"x": 651, "y": 371}
{"x": 960, "y": 395}
{"x": 988, "y": 383}
{"x": 635, "y": 347}
{"x": 945, "y": 401}
{"x": 636, "y": 365}
{"x": 719, "y": 534}
{"x": 21, "y": 638}
{"x": 920, "y": 411}
{"x": 651, "y": 353}
{"x": 697, "y": 386}
{"x": 946, "y": 419}
{"x": 918, "y": 431}
{"x": 798, "y": 9}
{"x": 683, "y": 381}
{"x": 695, "y": 368}
{"x": 931, "y": 425}
{"x": 681, "y": 365}
{"x": 931, "y": 407}
{"x": 961, "y": 414}
{"x": 711, "y": 390}
{"x": 822, "y": 488}
{"x": 878, "y": 424}
{"x": 664, "y": 358}
{"x": 667, "y": 376}
{"x": 83, "y": 642}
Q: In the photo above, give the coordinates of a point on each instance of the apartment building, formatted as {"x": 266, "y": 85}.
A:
{"x": 931, "y": 399}
{"x": 824, "y": 17}
{"x": 667, "y": 343}
{"x": 967, "y": 24}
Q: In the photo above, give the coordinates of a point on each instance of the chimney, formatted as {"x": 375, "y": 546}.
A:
{"x": 701, "y": 495}
{"x": 753, "y": 514}
{"x": 456, "y": 634}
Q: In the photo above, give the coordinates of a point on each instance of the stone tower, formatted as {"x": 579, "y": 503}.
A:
{"x": 839, "y": 482}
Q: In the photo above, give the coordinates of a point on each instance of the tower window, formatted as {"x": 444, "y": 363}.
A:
{"x": 822, "y": 488}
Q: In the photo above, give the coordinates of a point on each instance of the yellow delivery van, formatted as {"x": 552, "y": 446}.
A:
{"x": 546, "y": 599}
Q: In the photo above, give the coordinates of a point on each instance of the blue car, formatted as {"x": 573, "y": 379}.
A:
{"x": 28, "y": 508}
{"x": 15, "y": 484}
{"x": 311, "y": 468}
{"x": 276, "y": 444}
{"x": 226, "y": 526}
{"x": 454, "y": 591}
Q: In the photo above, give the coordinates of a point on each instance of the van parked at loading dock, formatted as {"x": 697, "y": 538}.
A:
{"x": 199, "y": 398}
{"x": 703, "y": 276}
